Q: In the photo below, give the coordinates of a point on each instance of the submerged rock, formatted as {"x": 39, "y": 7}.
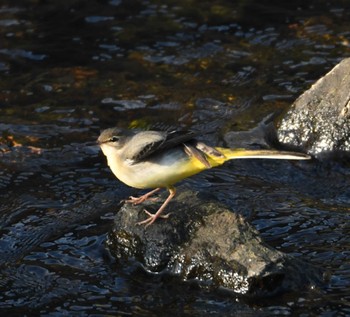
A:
{"x": 203, "y": 240}
{"x": 319, "y": 120}
{"x": 264, "y": 135}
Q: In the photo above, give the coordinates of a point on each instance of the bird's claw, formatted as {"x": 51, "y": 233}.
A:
{"x": 141, "y": 199}
{"x": 152, "y": 218}
{"x": 138, "y": 200}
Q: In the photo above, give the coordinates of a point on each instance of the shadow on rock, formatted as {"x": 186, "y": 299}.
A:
{"x": 204, "y": 241}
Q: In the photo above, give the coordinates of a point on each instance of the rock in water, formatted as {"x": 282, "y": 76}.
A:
{"x": 203, "y": 240}
{"x": 319, "y": 120}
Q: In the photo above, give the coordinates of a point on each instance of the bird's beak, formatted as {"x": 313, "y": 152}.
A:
{"x": 98, "y": 142}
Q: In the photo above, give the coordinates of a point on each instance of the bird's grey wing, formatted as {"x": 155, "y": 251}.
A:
{"x": 146, "y": 143}
{"x": 142, "y": 145}
{"x": 175, "y": 138}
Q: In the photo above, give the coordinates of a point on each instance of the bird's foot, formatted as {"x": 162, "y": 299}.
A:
{"x": 152, "y": 218}
{"x": 138, "y": 200}
{"x": 141, "y": 199}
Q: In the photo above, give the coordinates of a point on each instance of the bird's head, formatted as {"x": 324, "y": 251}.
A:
{"x": 112, "y": 137}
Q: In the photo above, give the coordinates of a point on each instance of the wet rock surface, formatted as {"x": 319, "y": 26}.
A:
{"x": 319, "y": 120}
{"x": 203, "y": 240}
{"x": 264, "y": 135}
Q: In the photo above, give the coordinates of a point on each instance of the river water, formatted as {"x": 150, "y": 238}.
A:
{"x": 71, "y": 68}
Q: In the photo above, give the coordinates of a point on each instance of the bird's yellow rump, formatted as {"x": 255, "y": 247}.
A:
{"x": 159, "y": 159}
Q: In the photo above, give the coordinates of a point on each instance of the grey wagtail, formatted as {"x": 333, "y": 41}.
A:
{"x": 158, "y": 159}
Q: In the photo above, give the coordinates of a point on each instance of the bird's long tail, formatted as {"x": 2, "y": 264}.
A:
{"x": 230, "y": 154}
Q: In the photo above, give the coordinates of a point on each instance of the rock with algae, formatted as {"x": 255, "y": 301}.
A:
{"x": 319, "y": 120}
{"x": 203, "y": 240}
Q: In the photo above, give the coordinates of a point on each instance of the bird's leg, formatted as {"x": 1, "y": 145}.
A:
{"x": 141, "y": 199}
{"x": 153, "y": 217}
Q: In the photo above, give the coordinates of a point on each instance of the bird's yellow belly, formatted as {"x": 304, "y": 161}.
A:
{"x": 160, "y": 171}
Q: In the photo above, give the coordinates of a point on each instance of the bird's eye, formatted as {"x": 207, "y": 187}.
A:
{"x": 114, "y": 139}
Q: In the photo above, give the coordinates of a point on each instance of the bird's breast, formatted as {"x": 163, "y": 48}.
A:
{"x": 160, "y": 170}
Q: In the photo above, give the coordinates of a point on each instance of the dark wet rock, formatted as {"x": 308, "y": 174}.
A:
{"x": 319, "y": 120}
{"x": 203, "y": 240}
{"x": 264, "y": 135}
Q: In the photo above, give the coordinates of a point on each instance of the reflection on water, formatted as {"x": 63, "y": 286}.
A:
{"x": 69, "y": 69}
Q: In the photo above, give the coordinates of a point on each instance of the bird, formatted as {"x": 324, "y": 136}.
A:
{"x": 154, "y": 160}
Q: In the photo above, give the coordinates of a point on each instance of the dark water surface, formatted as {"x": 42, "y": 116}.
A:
{"x": 71, "y": 68}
